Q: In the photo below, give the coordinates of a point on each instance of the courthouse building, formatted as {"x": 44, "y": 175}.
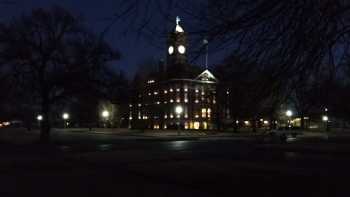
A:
{"x": 179, "y": 95}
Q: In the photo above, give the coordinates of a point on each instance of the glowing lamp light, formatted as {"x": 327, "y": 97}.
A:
{"x": 105, "y": 114}
{"x": 289, "y": 113}
{"x": 65, "y": 116}
{"x": 39, "y": 117}
{"x": 325, "y": 118}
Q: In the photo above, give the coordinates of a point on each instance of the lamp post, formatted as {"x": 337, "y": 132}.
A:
{"x": 39, "y": 118}
{"x": 325, "y": 119}
{"x": 105, "y": 116}
{"x": 178, "y": 110}
{"x": 289, "y": 114}
{"x": 65, "y": 117}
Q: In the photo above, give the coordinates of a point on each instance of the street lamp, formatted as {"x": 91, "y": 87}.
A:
{"x": 325, "y": 119}
{"x": 105, "y": 116}
{"x": 65, "y": 117}
{"x": 179, "y": 110}
{"x": 289, "y": 114}
{"x": 39, "y": 118}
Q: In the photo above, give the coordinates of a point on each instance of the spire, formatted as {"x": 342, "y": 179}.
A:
{"x": 205, "y": 42}
{"x": 178, "y": 27}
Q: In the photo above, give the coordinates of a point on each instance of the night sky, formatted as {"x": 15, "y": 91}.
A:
{"x": 134, "y": 48}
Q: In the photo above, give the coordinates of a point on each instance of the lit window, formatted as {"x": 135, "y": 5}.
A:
{"x": 197, "y": 101}
{"x": 158, "y": 102}
{"x": 171, "y": 116}
{"x": 246, "y": 122}
{"x": 185, "y": 89}
{"x": 139, "y": 105}
{"x": 171, "y": 100}
{"x": 165, "y": 102}
{"x": 214, "y": 101}
{"x": 177, "y": 89}
{"x": 186, "y": 100}
{"x": 203, "y": 93}
{"x": 171, "y": 90}
{"x": 186, "y": 125}
{"x": 204, "y": 112}
{"x": 165, "y": 116}
{"x": 266, "y": 122}
{"x": 186, "y": 115}
{"x": 155, "y": 93}
{"x": 130, "y": 118}
{"x": 197, "y": 90}
{"x": 149, "y": 94}
{"x": 130, "y": 105}
{"x": 196, "y": 125}
{"x": 178, "y": 100}
{"x": 165, "y": 126}
{"x": 227, "y": 92}
{"x": 165, "y": 92}
{"x": 196, "y": 116}
{"x": 205, "y": 125}
{"x": 178, "y": 116}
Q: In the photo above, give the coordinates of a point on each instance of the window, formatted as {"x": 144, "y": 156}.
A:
{"x": 165, "y": 116}
{"x": 205, "y": 125}
{"x": 204, "y": 112}
{"x": 165, "y": 92}
{"x": 171, "y": 90}
{"x": 196, "y": 125}
{"x": 177, "y": 89}
{"x": 171, "y": 100}
{"x": 197, "y": 101}
{"x": 186, "y": 125}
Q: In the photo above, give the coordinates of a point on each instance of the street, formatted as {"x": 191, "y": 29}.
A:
{"x": 110, "y": 164}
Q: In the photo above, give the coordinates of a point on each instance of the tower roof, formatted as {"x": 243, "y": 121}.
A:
{"x": 178, "y": 28}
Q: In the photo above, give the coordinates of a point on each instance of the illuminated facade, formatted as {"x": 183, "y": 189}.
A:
{"x": 176, "y": 97}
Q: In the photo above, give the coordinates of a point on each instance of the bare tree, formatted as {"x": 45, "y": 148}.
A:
{"x": 52, "y": 55}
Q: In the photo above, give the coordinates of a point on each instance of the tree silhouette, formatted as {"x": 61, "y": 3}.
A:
{"x": 53, "y": 56}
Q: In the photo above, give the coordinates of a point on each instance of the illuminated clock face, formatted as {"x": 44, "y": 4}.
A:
{"x": 181, "y": 49}
{"x": 171, "y": 50}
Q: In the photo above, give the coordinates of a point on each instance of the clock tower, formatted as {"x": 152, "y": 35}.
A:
{"x": 177, "y": 46}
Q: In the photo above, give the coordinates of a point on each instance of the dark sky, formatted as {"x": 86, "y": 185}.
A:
{"x": 134, "y": 49}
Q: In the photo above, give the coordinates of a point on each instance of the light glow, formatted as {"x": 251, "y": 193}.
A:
{"x": 181, "y": 49}
{"x": 39, "y": 117}
{"x": 289, "y": 113}
{"x": 171, "y": 50}
{"x": 105, "y": 114}
{"x": 179, "y": 109}
{"x": 325, "y": 118}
